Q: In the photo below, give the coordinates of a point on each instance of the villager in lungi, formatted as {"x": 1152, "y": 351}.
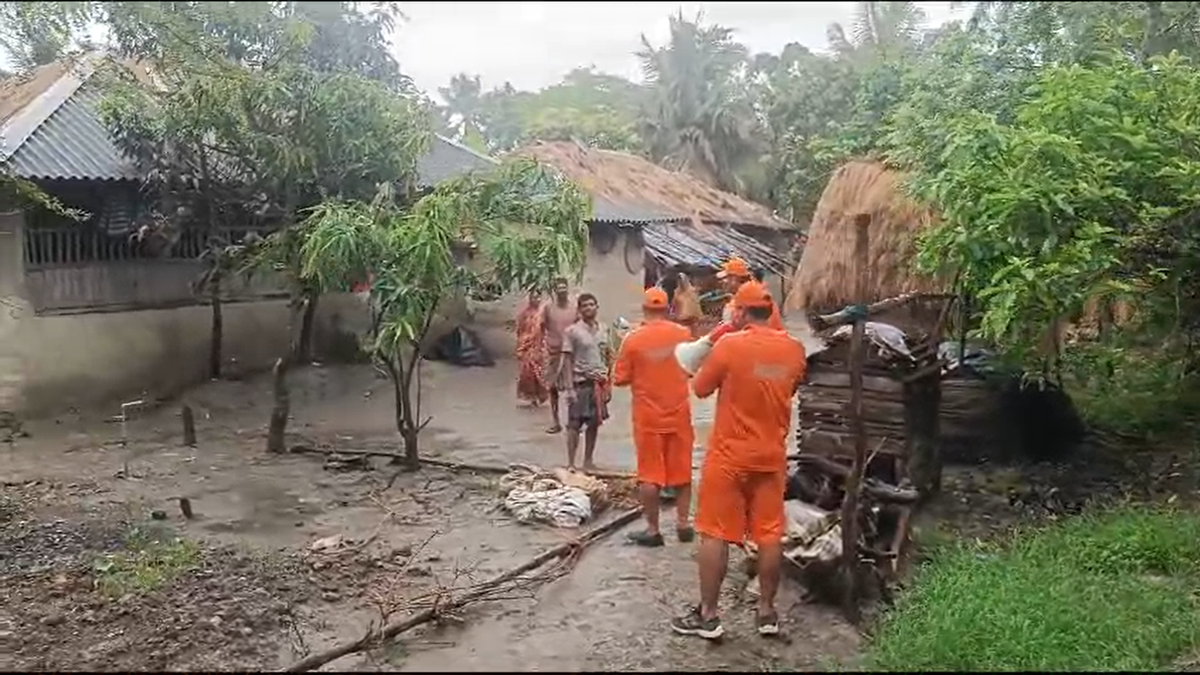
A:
{"x": 755, "y": 372}
{"x": 662, "y": 415}
{"x": 585, "y": 365}
{"x": 733, "y": 275}
{"x": 531, "y": 353}
{"x": 557, "y": 315}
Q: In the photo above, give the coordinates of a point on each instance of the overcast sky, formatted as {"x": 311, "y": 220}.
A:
{"x": 533, "y": 44}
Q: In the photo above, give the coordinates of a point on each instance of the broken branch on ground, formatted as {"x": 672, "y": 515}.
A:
{"x": 495, "y": 588}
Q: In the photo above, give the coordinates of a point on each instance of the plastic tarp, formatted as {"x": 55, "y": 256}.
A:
{"x": 462, "y": 348}
{"x": 974, "y": 358}
{"x": 885, "y": 336}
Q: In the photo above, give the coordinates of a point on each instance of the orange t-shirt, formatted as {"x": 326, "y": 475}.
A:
{"x": 775, "y": 321}
{"x": 756, "y": 372}
{"x": 646, "y": 363}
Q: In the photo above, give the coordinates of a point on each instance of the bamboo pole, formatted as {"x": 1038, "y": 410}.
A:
{"x": 853, "y": 486}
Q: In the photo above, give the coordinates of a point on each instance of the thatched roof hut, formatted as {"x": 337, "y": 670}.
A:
{"x": 626, "y": 186}
{"x": 683, "y": 220}
{"x": 824, "y": 280}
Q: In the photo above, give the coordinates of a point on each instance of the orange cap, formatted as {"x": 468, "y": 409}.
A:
{"x": 735, "y": 267}
{"x": 752, "y": 294}
{"x": 655, "y": 298}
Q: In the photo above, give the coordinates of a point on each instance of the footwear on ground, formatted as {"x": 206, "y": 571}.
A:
{"x": 693, "y": 623}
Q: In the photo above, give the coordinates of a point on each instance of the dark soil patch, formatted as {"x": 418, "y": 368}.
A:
{"x": 990, "y": 499}
{"x": 227, "y": 610}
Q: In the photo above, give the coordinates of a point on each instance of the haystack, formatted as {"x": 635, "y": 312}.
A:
{"x": 824, "y": 281}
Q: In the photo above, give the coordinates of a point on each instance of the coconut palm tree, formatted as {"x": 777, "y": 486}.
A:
{"x": 878, "y": 26}
{"x": 464, "y": 106}
{"x": 698, "y": 116}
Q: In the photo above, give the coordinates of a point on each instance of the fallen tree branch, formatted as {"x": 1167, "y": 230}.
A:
{"x": 396, "y": 628}
{"x": 463, "y": 466}
{"x": 443, "y": 463}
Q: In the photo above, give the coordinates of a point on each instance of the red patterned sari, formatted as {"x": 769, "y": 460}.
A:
{"x": 531, "y": 355}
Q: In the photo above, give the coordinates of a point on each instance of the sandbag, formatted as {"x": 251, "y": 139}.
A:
{"x": 462, "y": 348}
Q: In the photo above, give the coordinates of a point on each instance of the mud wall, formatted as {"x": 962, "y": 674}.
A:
{"x": 50, "y": 363}
{"x": 613, "y": 273}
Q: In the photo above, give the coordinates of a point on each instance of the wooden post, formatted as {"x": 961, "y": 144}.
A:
{"x": 279, "y": 412}
{"x": 189, "y": 426}
{"x": 853, "y": 485}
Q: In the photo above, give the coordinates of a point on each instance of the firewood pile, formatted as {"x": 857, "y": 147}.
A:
{"x": 890, "y": 368}
{"x": 898, "y": 416}
{"x": 813, "y": 541}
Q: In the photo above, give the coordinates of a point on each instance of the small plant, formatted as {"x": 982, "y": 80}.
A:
{"x": 149, "y": 561}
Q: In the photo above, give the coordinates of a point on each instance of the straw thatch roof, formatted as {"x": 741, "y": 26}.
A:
{"x": 639, "y": 190}
{"x": 18, "y": 91}
{"x": 824, "y": 281}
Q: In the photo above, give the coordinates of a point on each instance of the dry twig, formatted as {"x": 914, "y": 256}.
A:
{"x": 441, "y": 603}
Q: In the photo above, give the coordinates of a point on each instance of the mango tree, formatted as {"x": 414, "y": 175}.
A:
{"x": 512, "y": 229}
{"x": 1087, "y": 190}
{"x": 253, "y": 117}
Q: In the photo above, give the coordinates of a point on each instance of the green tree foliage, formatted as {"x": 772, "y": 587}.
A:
{"x": 34, "y": 34}
{"x": 525, "y": 225}
{"x": 254, "y": 116}
{"x": 592, "y": 108}
{"x": 699, "y": 116}
{"x": 1058, "y": 144}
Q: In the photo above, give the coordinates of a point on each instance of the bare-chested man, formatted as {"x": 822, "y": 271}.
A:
{"x": 557, "y": 316}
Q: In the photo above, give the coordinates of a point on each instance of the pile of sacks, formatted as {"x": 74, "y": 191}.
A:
{"x": 561, "y": 498}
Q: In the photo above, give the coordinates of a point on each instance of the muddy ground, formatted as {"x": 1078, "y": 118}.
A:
{"x": 250, "y": 591}
{"x": 99, "y": 569}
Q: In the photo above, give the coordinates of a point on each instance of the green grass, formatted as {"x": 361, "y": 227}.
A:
{"x": 149, "y": 560}
{"x": 1105, "y": 592}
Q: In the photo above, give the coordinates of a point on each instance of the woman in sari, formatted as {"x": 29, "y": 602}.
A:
{"x": 531, "y": 353}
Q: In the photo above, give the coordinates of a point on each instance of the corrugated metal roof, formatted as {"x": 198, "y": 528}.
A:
{"x": 681, "y": 243}
{"x": 73, "y": 143}
{"x": 610, "y": 213}
{"x": 447, "y": 159}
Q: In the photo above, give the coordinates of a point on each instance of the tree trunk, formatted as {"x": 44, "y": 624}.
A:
{"x": 218, "y": 328}
{"x": 405, "y": 421}
{"x": 304, "y": 340}
{"x": 279, "y": 413}
{"x": 850, "y": 501}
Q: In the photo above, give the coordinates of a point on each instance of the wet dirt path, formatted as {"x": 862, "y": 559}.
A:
{"x": 611, "y": 612}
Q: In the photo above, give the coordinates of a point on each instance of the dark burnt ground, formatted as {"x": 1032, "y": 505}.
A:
{"x": 991, "y": 499}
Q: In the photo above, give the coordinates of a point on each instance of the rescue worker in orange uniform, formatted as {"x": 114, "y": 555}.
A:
{"x": 662, "y": 415}
{"x": 755, "y": 372}
{"x": 734, "y": 273}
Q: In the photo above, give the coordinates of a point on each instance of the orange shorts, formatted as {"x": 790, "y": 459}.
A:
{"x": 735, "y": 505}
{"x": 665, "y": 459}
